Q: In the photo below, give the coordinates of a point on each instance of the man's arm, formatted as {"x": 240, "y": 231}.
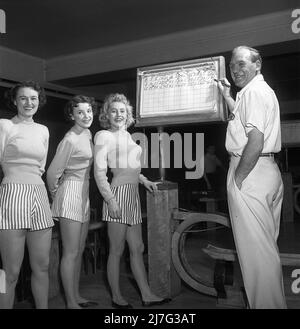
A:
{"x": 250, "y": 156}
{"x": 224, "y": 87}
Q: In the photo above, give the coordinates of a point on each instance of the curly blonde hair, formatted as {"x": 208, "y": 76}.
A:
{"x": 112, "y": 98}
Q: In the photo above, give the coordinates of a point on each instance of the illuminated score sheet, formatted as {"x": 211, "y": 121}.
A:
{"x": 180, "y": 90}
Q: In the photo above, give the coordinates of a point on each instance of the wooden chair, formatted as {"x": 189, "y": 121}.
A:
{"x": 95, "y": 247}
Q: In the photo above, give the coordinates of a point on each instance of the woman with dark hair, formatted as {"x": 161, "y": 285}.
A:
{"x": 25, "y": 213}
{"x": 68, "y": 181}
{"x": 115, "y": 148}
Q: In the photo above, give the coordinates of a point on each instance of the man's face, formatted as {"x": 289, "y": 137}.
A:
{"x": 242, "y": 69}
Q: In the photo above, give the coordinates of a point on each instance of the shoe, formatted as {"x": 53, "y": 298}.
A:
{"x": 89, "y": 303}
{"x": 158, "y": 302}
{"x": 119, "y": 306}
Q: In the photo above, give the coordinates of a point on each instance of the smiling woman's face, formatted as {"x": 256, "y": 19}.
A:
{"x": 82, "y": 115}
{"x": 27, "y": 102}
{"x": 117, "y": 116}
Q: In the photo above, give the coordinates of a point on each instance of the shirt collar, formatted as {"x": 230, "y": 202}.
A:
{"x": 258, "y": 77}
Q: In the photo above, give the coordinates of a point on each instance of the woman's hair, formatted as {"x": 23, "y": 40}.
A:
{"x": 11, "y": 94}
{"x": 74, "y": 101}
{"x": 112, "y": 98}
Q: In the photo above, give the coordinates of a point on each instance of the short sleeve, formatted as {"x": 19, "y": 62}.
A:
{"x": 254, "y": 114}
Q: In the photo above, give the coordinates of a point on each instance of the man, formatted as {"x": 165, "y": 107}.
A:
{"x": 254, "y": 184}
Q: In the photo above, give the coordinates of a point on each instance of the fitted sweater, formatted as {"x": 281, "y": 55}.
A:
{"x": 117, "y": 151}
{"x": 23, "y": 151}
{"x": 73, "y": 159}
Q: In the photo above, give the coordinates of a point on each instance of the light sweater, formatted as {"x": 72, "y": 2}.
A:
{"x": 72, "y": 161}
{"x": 23, "y": 150}
{"x": 121, "y": 154}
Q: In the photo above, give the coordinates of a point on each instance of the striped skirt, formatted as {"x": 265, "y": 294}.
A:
{"x": 128, "y": 198}
{"x": 24, "y": 206}
{"x": 72, "y": 201}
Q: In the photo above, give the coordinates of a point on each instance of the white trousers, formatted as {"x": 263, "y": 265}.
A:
{"x": 255, "y": 218}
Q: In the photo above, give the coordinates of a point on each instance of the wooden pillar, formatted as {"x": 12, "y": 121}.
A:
{"x": 288, "y": 198}
{"x": 163, "y": 278}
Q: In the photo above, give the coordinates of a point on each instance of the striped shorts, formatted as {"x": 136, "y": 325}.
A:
{"x": 128, "y": 198}
{"x": 72, "y": 201}
{"x": 24, "y": 206}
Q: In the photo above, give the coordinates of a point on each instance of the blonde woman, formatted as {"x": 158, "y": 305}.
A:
{"x": 115, "y": 148}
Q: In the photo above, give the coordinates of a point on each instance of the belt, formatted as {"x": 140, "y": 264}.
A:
{"x": 271, "y": 154}
{"x": 266, "y": 155}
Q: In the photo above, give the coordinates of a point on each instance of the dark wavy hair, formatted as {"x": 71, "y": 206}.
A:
{"x": 74, "y": 101}
{"x": 112, "y": 98}
{"x": 11, "y": 94}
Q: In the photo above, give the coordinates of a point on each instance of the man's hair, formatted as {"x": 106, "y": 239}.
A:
{"x": 254, "y": 53}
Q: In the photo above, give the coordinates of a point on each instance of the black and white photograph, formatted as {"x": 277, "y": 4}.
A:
{"x": 150, "y": 158}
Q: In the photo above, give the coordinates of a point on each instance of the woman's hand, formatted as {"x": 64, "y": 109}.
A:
{"x": 114, "y": 208}
{"x": 150, "y": 186}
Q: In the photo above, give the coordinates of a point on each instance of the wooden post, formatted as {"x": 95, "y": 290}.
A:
{"x": 163, "y": 278}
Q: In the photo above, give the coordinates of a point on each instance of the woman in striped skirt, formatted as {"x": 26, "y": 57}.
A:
{"x": 68, "y": 182}
{"x": 25, "y": 213}
{"x": 115, "y": 149}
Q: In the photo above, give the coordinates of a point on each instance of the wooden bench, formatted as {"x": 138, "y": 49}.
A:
{"x": 231, "y": 256}
{"x": 223, "y": 274}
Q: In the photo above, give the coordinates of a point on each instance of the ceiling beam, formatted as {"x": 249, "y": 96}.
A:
{"x": 17, "y": 66}
{"x": 254, "y": 31}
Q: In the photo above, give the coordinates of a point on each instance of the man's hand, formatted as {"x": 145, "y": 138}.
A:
{"x": 250, "y": 156}
{"x": 238, "y": 180}
{"x": 224, "y": 87}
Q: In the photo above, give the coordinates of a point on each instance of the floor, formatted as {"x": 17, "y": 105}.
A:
{"x": 95, "y": 287}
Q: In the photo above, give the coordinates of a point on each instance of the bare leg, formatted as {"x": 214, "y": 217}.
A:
{"x": 70, "y": 234}
{"x": 116, "y": 234}
{"x": 136, "y": 248}
{"x": 83, "y": 235}
{"x": 39, "y": 244}
{"x": 12, "y": 244}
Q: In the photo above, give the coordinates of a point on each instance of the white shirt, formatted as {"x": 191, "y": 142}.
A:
{"x": 256, "y": 106}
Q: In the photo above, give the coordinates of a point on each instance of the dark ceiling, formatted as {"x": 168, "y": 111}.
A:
{"x": 50, "y": 28}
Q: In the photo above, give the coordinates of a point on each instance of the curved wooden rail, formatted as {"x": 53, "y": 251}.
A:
{"x": 180, "y": 262}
